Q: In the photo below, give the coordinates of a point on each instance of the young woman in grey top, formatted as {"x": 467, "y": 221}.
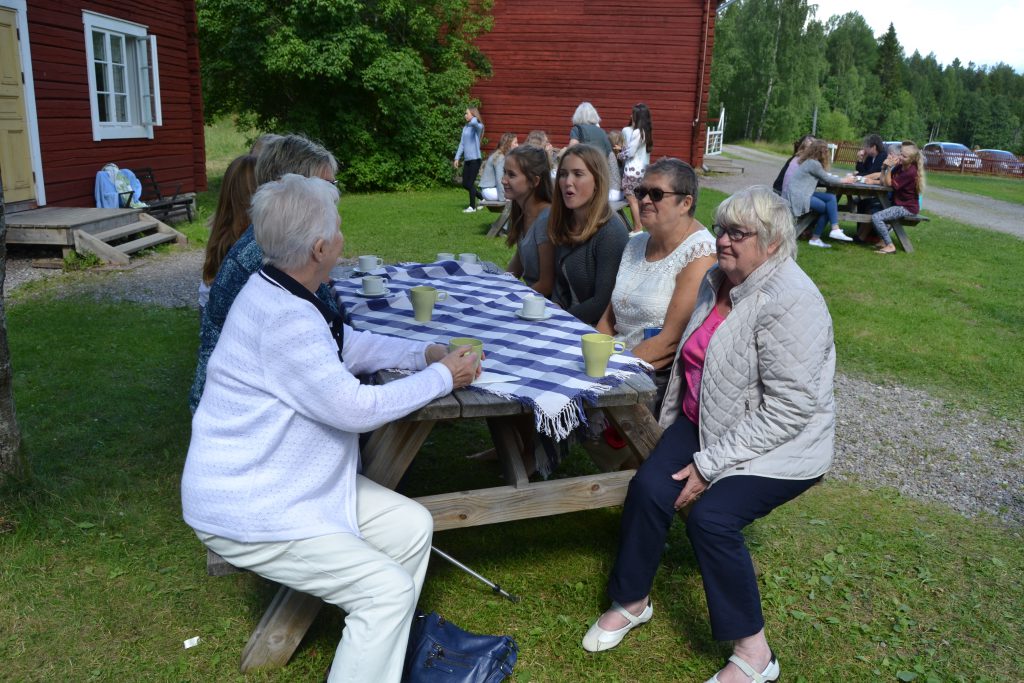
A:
{"x": 589, "y": 239}
{"x": 494, "y": 169}
{"x": 527, "y": 184}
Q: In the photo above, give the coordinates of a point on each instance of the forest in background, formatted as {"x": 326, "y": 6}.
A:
{"x": 778, "y": 70}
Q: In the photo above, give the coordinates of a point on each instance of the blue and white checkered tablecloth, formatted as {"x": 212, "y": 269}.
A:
{"x": 545, "y": 356}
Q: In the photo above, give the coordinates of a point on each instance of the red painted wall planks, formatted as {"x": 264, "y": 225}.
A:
{"x": 70, "y": 157}
{"x": 547, "y": 57}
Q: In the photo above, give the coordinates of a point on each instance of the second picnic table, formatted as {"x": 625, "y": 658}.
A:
{"x": 849, "y": 211}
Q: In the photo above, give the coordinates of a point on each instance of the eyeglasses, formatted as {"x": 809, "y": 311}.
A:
{"x": 656, "y": 193}
{"x": 735, "y": 234}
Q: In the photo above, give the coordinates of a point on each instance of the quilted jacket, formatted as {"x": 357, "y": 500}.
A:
{"x": 766, "y": 403}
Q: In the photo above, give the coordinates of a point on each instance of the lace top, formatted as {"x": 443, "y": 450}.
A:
{"x": 643, "y": 289}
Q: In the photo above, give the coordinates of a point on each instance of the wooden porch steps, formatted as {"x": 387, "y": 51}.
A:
{"x": 111, "y": 234}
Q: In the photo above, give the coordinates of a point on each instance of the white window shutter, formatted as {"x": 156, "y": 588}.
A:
{"x": 158, "y": 115}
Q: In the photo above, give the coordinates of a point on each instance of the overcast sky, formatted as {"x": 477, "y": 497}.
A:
{"x": 979, "y": 31}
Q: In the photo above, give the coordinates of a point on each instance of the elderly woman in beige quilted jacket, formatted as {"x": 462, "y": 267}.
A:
{"x": 749, "y": 422}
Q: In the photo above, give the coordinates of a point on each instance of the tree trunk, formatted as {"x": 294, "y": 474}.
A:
{"x": 771, "y": 78}
{"x": 13, "y": 463}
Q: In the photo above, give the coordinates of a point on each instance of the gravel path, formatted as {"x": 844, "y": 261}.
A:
{"x": 762, "y": 167}
{"x": 886, "y": 435}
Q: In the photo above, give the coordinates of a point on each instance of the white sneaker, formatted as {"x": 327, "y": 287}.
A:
{"x": 481, "y": 208}
{"x": 839, "y": 235}
{"x": 468, "y": 209}
{"x": 816, "y": 242}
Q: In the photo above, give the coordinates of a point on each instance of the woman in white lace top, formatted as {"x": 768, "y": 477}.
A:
{"x": 661, "y": 270}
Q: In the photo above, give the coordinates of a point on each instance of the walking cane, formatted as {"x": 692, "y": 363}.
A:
{"x": 494, "y": 587}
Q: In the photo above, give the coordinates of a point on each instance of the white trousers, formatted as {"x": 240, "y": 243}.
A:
{"x": 376, "y": 580}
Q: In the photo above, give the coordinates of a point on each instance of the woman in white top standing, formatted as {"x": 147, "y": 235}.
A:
{"x": 271, "y": 480}
{"x": 637, "y": 141}
{"x": 661, "y": 270}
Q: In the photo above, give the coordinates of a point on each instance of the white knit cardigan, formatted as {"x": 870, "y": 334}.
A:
{"x": 275, "y": 450}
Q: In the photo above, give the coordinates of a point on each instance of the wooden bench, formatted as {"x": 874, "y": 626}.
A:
{"x": 865, "y": 228}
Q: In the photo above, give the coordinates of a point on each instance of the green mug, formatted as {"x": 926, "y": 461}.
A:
{"x": 423, "y": 298}
{"x": 597, "y": 349}
{"x": 476, "y": 344}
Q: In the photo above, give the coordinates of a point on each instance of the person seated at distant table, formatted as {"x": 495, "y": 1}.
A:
{"x": 494, "y": 169}
{"x": 271, "y": 480}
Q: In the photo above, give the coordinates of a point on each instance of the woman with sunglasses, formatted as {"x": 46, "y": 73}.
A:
{"x": 749, "y": 420}
{"x": 661, "y": 269}
{"x": 588, "y": 237}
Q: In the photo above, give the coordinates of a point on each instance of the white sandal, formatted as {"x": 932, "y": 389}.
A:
{"x": 597, "y": 639}
{"x": 770, "y": 673}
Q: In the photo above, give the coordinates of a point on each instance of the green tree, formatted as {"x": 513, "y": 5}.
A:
{"x": 383, "y": 83}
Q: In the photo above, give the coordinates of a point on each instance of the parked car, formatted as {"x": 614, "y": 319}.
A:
{"x": 1000, "y": 161}
{"x": 950, "y": 155}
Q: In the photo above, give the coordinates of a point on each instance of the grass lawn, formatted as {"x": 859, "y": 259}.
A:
{"x": 102, "y": 581}
{"x": 996, "y": 187}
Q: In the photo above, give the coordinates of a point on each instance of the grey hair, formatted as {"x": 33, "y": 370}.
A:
{"x": 585, "y": 113}
{"x": 680, "y": 176}
{"x": 261, "y": 142}
{"x": 758, "y": 208}
{"x": 293, "y": 154}
{"x": 289, "y": 216}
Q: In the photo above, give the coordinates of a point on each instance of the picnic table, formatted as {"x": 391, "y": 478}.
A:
{"x": 482, "y": 306}
{"x": 851, "y": 193}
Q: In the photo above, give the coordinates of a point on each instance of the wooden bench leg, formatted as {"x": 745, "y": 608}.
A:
{"x": 280, "y": 630}
{"x": 897, "y": 227}
{"x": 392, "y": 449}
{"x": 501, "y": 221}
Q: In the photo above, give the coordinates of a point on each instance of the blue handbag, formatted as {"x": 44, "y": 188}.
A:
{"x": 441, "y": 652}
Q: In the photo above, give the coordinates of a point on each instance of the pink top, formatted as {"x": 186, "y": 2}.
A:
{"x": 692, "y": 357}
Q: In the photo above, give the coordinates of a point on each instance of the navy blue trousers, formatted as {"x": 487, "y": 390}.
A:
{"x": 714, "y": 525}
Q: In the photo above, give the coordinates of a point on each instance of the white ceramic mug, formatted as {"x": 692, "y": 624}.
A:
{"x": 373, "y": 285}
{"x": 467, "y": 258}
{"x": 445, "y": 256}
{"x": 368, "y": 263}
{"x": 534, "y": 306}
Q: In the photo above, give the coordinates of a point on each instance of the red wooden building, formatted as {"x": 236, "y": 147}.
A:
{"x": 548, "y": 56}
{"x": 88, "y": 82}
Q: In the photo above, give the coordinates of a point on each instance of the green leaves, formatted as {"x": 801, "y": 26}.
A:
{"x": 382, "y": 83}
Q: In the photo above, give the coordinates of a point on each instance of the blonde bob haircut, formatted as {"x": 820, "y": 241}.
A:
{"x": 758, "y": 208}
{"x": 597, "y": 211}
{"x": 289, "y": 216}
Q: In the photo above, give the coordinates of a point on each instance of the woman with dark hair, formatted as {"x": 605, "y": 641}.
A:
{"x": 469, "y": 149}
{"x": 230, "y": 219}
{"x": 811, "y": 171}
{"x": 494, "y": 169}
{"x": 637, "y": 141}
{"x": 527, "y": 184}
{"x": 661, "y": 269}
{"x": 589, "y": 238}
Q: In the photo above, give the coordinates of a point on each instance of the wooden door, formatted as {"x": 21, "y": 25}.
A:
{"x": 15, "y": 157}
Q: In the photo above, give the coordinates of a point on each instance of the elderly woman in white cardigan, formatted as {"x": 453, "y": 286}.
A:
{"x": 750, "y": 420}
{"x": 271, "y": 481}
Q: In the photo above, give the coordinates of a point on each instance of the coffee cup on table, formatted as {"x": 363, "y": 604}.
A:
{"x": 368, "y": 263}
{"x": 534, "y": 306}
{"x": 423, "y": 299}
{"x": 468, "y": 258}
{"x": 445, "y": 256}
{"x": 373, "y": 285}
{"x": 597, "y": 349}
{"x": 476, "y": 345}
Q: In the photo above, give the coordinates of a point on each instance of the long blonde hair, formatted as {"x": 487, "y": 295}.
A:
{"x": 915, "y": 157}
{"x": 231, "y": 218}
{"x": 598, "y": 212}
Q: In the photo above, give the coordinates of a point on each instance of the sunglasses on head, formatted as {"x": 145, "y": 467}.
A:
{"x": 655, "y": 193}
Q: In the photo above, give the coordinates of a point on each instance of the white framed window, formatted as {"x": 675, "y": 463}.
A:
{"x": 124, "y": 78}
